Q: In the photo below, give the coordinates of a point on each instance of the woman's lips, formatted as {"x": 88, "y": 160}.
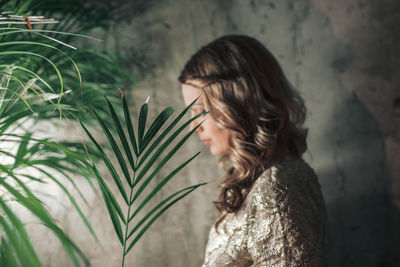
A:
{"x": 206, "y": 141}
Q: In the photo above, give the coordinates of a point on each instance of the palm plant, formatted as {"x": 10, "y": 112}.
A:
{"x": 26, "y": 96}
{"x": 37, "y": 83}
{"x": 49, "y": 36}
{"x": 144, "y": 160}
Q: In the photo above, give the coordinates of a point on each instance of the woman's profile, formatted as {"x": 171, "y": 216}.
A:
{"x": 271, "y": 210}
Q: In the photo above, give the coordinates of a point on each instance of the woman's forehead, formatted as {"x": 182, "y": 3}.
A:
{"x": 191, "y": 88}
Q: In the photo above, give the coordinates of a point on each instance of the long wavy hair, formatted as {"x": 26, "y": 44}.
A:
{"x": 247, "y": 92}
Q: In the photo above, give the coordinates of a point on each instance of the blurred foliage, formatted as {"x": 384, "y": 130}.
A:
{"x": 32, "y": 89}
{"x": 77, "y": 17}
{"x": 40, "y": 80}
{"x": 45, "y": 78}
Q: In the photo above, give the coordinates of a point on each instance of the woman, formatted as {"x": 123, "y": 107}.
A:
{"x": 271, "y": 210}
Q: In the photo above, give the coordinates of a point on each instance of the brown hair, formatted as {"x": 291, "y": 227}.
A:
{"x": 247, "y": 93}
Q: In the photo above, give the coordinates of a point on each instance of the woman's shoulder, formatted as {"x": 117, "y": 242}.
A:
{"x": 290, "y": 178}
{"x": 285, "y": 207}
{"x": 289, "y": 170}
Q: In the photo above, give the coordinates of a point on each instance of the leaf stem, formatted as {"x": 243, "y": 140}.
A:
{"x": 127, "y": 222}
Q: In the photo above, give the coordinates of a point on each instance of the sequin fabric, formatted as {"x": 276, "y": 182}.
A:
{"x": 282, "y": 222}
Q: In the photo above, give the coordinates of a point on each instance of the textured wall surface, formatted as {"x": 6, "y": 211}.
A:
{"x": 341, "y": 55}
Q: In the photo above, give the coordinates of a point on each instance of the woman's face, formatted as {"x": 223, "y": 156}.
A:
{"x": 209, "y": 132}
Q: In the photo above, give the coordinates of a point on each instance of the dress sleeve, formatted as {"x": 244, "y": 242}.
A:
{"x": 286, "y": 220}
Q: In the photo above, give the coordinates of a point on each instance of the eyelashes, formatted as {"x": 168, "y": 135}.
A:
{"x": 196, "y": 112}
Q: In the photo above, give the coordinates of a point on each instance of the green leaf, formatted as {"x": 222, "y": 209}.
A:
{"x": 35, "y": 206}
{"x": 129, "y": 125}
{"x": 7, "y": 257}
{"x": 156, "y": 126}
{"x": 33, "y": 178}
{"x": 115, "y": 149}
{"x": 15, "y": 243}
{"x": 121, "y": 134}
{"x": 162, "y": 163}
{"x": 165, "y": 133}
{"x": 160, "y": 186}
{"x": 109, "y": 165}
{"x": 22, "y": 149}
{"x": 106, "y": 191}
{"x": 30, "y": 72}
{"x": 53, "y": 146}
{"x": 142, "y": 125}
{"x": 25, "y": 241}
{"x": 13, "y": 118}
{"x": 72, "y": 199}
{"x": 161, "y": 149}
{"x": 155, "y": 217}
{"x": 13, "y": 43}
{"x": 113, "y": 216}
{"x": 110, "y": 204}
{"x": 43, "y": 57}
{"x": 34, "y": 149}
{"x": 63, "y": 148}
{"x": 23, "y": 6}
{"x": 11, "y": 30}
{"x": 64, "y": 174}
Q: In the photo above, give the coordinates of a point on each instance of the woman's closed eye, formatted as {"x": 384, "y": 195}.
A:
{"x": 196, "y": 111}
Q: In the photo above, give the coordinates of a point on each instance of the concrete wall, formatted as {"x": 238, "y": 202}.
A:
{"x": 342, "y": 57}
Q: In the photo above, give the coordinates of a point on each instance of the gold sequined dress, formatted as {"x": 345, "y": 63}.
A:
{"x": 282, "y": 222}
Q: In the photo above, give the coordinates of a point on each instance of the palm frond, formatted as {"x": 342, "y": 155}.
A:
{"x": 134, "y": 172}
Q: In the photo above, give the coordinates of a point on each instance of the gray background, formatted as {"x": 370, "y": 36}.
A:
{"x": 341, "y": 55}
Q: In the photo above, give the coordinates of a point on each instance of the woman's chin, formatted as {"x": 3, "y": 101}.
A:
{"x": 217, "y": 152}
{"x": 214, "y": 151}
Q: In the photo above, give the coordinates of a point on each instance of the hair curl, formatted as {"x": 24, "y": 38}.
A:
{"x": 247, "y": 92}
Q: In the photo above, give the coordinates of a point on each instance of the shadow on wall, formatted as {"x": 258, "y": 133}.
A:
{"x": 363, "y": 221}
{"x": 362, "y": 228}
